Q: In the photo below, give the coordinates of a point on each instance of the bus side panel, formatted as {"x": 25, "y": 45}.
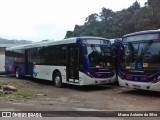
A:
{"x": 9, "y": 64}
{"x": 21, "y": 68}
{"x": 11, "y": 69}
{"x": 41, "y": 72}
{"x": 46, "y": 72}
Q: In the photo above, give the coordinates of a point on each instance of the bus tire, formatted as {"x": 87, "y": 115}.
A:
{"x": 57, "y": 79}
{"x": 17, "y": 73}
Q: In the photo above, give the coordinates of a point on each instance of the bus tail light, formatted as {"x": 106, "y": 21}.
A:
{"x": 128, "y": 77}
{"x": 99, "y": 75}
{"x": 109, "y": 74}
{"x": 143, "y": 78}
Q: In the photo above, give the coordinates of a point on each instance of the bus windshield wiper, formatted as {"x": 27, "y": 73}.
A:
{"x": 144, "y": 50}
{"x": 131, "y": 46}
{"x": 132, "y": 51}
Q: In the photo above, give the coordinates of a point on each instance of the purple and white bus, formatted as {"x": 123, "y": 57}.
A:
{"x": 78, "y": 61}
{"x": 139, "y": 61}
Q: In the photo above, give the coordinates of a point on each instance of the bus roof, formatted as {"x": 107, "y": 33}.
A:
{"x": 49, "y": 43}
{"x": 142, "y": 32}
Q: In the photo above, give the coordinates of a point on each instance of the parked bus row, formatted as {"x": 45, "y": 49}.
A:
{"x": 134, "y": 60}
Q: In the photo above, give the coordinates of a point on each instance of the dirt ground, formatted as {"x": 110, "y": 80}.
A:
{"x": 40, "y": 95}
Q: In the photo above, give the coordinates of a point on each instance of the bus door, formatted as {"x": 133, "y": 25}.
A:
{"x": 73, "y": 63}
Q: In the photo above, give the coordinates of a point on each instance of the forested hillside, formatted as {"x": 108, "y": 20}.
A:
{"x": 6, "y": 41}
{"x": 110, "y": 24}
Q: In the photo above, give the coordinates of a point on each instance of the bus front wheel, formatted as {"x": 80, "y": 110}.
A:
{"x": 17, "y": 73}
{"x": 58, "y": 79}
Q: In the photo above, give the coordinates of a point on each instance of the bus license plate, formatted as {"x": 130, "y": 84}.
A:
{"x": 136, "y": 86}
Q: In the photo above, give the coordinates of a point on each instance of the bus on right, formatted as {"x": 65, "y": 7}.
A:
{"x": 139, "y": 60}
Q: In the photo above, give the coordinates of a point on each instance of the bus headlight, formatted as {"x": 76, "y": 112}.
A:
{"x": 89, "y": 74}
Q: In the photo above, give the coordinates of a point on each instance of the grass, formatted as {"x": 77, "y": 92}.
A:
{"x": 25, "y": 94}
{"x": 19, "y": 95}
{"x": 2, "y": 94}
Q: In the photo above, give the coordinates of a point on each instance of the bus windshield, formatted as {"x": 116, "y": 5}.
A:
{"x": 99, "y": 56}
{"x": 141, "y": 37}
{"x": 141, "y": 55}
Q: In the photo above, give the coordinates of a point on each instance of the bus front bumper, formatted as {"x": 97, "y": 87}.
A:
{"x": 96, "y": 81}
{"x": 139, "y": 85}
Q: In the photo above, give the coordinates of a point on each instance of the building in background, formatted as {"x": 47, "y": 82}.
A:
{"x": 2, "y": 56}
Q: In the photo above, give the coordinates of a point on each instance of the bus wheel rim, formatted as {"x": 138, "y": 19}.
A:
{"x": 57, "y": 79}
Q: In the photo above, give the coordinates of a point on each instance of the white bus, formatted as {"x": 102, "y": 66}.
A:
{"x": 78, "y": 61}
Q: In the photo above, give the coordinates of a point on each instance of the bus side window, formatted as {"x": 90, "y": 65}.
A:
{"x": 63, "y": 55}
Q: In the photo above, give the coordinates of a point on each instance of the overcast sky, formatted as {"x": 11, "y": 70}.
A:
{"x": 38, "y": 20}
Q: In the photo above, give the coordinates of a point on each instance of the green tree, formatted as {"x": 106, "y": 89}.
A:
{"x": 134, "y": 7}
{"x": 143, "y": 19}
{"x": 111, "y": 24}
{"x": 106, "y": 17}
{"x": 69, "y": 34}
{"x": 155, "y": 6}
